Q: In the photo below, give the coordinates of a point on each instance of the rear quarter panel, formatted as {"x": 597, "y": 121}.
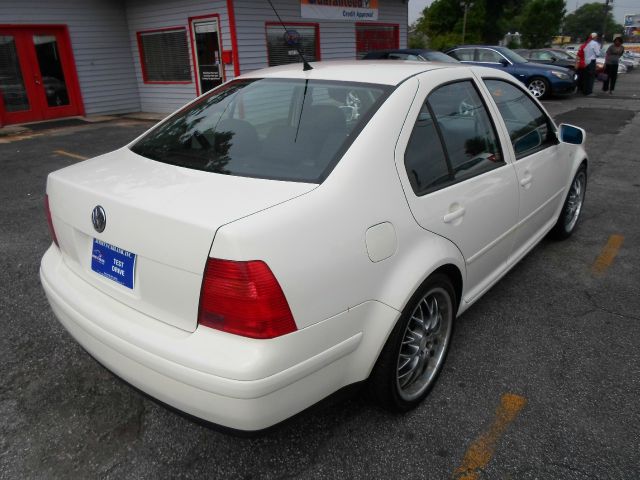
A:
{"x": 315, "y": 244}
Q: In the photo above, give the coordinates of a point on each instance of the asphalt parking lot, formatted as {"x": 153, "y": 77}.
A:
{"x": 542, "y": 380}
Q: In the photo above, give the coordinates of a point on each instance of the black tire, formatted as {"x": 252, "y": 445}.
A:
{"x": 399, "y": 388}
{"x": 539, "y": 87}
{"x": 572, "y": 207}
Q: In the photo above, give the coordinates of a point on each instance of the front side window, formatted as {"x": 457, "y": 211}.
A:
{"x": 286, "y": 129}
{"x": 452, "y": 140}
{"x": 529, "y": 128}
{"x": 164, "y": 56}
{"x": 541, "y": 56}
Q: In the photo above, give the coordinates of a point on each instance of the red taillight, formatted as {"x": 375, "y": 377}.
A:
{"x": 50, "y": 221}
{"x": 244, "y": 298}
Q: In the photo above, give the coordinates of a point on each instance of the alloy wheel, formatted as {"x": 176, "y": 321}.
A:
{"x": 575, "y": 200}
{"x": 424, "y": 343}
{"x": 538, "y": 88}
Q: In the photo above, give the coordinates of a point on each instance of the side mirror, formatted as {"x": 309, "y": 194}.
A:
{"x": 570, "y": 134}
{"x": 504, "y": 63}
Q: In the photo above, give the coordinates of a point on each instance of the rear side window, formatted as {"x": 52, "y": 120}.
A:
{"x": 285, "y": 129}
{"x": 453, "y": 139}
{"x": 463, "y": 54}
{"x": 489, "y": 56}
{"x": 424, "y": 158}
{"x": 529, "y": 128}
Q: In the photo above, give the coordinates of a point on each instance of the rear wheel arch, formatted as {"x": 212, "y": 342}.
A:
{"x": 455, "y": 276}
{"x": 385, "y": 383}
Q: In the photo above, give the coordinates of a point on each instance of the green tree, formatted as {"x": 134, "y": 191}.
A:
{"x": 417, "y": 39}
{"x": 501, "y": 18}
{"x": 539, "y": 21}
{"x": 442, "y": 23}
{"x": 487, "y": 21}
{"x": 588, "y": 18}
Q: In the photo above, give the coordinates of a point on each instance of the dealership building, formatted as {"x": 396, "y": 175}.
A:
{"x": 61, "y": 58}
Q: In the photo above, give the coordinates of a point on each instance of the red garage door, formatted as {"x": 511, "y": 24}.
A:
{"x": 371, "y": 37}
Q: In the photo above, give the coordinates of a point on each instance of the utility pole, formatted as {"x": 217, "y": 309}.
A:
{"x": 604, "y": 20}
{"x": 467, "y": 5}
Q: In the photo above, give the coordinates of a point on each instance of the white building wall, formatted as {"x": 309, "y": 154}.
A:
{"x": 156, "y": 14}
{"x": 337, "y": 38}
{"x": 100, "y": 44}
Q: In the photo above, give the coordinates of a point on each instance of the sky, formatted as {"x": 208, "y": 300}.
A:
{"x": 620, "y": 8}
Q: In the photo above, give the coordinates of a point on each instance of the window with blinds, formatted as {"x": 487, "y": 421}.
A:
{"x": 281, "y": 45}
{"x": 165, "y": 56}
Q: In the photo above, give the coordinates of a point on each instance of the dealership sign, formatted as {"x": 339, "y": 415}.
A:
{"x": 355, "y": 10}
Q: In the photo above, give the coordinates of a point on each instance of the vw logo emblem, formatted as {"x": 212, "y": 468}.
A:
{"x": 99, "y": 219}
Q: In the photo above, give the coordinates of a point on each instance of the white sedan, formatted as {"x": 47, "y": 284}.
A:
{"x": 294, "y": 232}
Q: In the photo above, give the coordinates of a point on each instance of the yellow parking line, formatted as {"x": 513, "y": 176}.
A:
{"x": 480, "y": 452}
{"x": 69, "y": 154}
{"x": 607, "y": 255}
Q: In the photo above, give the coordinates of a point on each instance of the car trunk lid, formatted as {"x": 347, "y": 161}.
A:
{"x": 160, "y": 221}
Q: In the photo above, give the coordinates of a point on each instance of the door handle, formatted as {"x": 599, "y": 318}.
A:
{"x": 36, "y": 80}
{"x": 457, "y": 213}
{"x": 526, "y": 181}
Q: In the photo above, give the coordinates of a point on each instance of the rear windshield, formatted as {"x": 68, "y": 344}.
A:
{"x": 438, "y": 57}
{"x": 285, "y": 129}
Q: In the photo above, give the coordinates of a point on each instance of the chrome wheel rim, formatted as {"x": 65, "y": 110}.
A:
{"x": 538, "y": 88}
{"x": 424, "y": 343}
{"x": 574, "y": 201}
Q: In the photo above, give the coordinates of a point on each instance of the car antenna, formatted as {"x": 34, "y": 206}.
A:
{"x": 305, "y": 64}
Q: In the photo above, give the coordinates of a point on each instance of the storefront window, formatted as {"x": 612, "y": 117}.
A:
{"x": 282, "y": 47}
{"x": 164, "y": 56}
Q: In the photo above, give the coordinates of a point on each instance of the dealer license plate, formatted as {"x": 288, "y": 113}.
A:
{"x": 113, "y": 262}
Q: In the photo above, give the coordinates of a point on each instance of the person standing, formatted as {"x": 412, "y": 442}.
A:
{"x": 611, "y": 61}
{"x": 591, "y": 52}
{"x": 581, "y": 67}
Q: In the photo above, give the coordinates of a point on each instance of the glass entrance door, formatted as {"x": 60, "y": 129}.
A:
{"x": 37, "y": 78}
{"x": 51, "y": 71}
{"x": 207, "y": 53}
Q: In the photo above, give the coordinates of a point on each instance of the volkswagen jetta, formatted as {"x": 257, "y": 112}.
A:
{"x": 293, "y": 232}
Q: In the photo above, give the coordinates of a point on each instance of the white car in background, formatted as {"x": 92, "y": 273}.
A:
{"x": 600, "y": 65}
{"x": 294, "y": 232}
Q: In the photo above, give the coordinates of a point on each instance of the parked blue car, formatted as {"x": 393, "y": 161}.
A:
{"x": 541, "y": 80}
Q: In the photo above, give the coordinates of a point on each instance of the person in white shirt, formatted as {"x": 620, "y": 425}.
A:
{"x": 591, "y": 51}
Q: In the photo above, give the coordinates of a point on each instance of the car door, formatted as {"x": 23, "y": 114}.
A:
{"x": 542, "y": 165}
{"x": 457, "y": 182}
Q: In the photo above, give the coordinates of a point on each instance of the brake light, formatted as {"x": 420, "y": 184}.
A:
{"x": 244, "y": 298}
{"x": 50, "y": 221}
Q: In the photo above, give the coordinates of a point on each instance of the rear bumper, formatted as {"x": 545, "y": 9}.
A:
{"x": 237, "y": 382}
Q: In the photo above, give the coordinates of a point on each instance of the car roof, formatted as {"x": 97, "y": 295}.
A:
{"x": 372, "y": 71}
{"x": 494, "y": 47}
